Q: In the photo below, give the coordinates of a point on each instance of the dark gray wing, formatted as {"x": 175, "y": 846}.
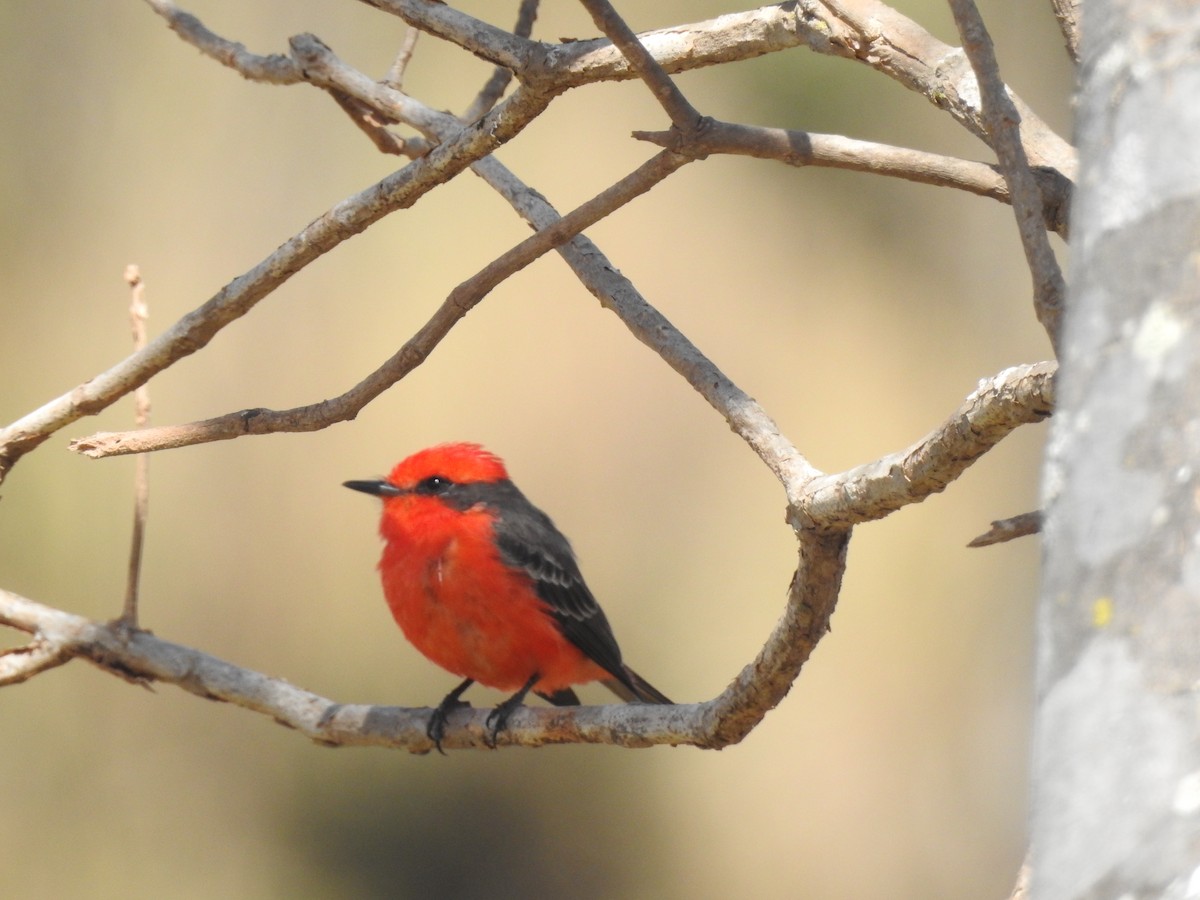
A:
{"x": 528, "y": 540}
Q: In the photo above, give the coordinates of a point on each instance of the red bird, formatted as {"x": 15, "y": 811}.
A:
{"x": 482, "y": 582}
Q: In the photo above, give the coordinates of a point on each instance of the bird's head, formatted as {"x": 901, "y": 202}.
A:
{"x": 435, "y": 469}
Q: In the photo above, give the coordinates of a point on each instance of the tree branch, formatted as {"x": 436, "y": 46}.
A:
{"x": 805, "y": 148}
{"x": 489, "y": 43}
{"x": 273, "y": 69}
{"x": 1015, "y": 397}
{"x": 596, "y": 272}
{"x": 494, "y": 89}
{"x": 1009, "y": 529}
{"x": 763, "y": 684}
{"x": 19, "y": 664}
{"x": 141, "y": 657}
{"x": 1067, "y": 14}
{"x": 1004, "y": 127}
{"x": 460, "y": 301}
{"x": 683, "y": 115}
{"x": 138, "y": 313}
{"x": 891, "y": 43}
{"x": 863, "y": 30}
{"x": 822, "y": 508}
{"x": 397, "y": 191}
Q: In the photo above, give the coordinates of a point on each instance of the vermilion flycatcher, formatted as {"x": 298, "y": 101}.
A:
{"x": 482, "y": 582}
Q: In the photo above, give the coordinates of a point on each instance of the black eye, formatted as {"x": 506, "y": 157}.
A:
{"x": 434, "y": 484}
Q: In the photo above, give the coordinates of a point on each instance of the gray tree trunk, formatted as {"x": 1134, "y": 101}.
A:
{"x": 1117, "y": 734}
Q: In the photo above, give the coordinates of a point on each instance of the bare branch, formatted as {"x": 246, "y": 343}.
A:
{"x": 371, "y": 123}
{"x": 804, "y": 148}
{"x": 273, "y": 69}
{"x": 1009, "y": 529}
{"x": 460, "y": 301}
{"x": 1015, "y": 397}
{"x": 895, "y": 45}
{"x": 822, "y": 508}
{"x": 197, "y": 328}
{"x": 682, "y": 114}
{"x": 138, "y": 313}
{"x": 732, "y": 37}
{"x": 22, "y": 663}
{"x": 866, "y": 31}
{"x": 493, "y": 90}
{"x": 142, "y": 657}
{"x": 495, "y": 45}
{"x": 1004, "y": 127}
{"x": 763, "y": 684}
{"x": 600, "y": 276}
{"x": 863, "y": 30}
{"x": 1067, "y": 14}
{"x": 395, "y": 75}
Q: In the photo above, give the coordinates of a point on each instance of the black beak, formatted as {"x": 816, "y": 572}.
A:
{"x": 378, "y": 487}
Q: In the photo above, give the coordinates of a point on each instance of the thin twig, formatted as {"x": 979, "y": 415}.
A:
{"x": 395, "y": 76}
{"x": 371, "y": 123}
{"x": 138, "y": 313}
{"x": 1067, "y": 14}
{"x": 273, "y": 69}
{"x": 459, "y": 302}
{"x": 805, "y": 148}
{"x": 889, "y": 42}
{"x": 500, "y": 78}
{"x": 397, "y": 191}
{"x": 19, "y": 664}
{"x": 488, "y": 42}
{"x": 683, "y": 115}
{"x": 1009, "y": 529}
{"x": 882, "y": 39}
{"x": 1003, "y": 124}
{"x": 599, "y": 275}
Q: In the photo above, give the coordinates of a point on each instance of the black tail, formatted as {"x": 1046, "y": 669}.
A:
{"x": 633, "y": 687}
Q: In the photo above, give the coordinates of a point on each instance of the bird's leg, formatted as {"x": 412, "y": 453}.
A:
{"x": 436, "y": 729}
{"x": 498, "y": 718}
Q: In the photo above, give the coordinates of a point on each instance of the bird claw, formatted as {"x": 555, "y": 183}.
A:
{"x": 436, "y": 729}
{"x": 497, "y": 719}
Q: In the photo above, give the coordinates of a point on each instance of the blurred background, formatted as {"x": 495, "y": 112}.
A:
{"x": 859, "y": 311}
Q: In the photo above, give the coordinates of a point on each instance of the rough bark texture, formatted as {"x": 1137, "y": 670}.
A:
{"x": 1117, "y": 752}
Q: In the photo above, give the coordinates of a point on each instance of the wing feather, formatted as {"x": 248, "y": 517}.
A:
{"x": 528, "y": 540}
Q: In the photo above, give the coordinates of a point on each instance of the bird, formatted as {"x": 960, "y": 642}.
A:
{"x": 484, "y": 584}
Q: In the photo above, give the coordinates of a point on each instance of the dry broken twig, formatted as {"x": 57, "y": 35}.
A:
{"x": 1009, "y": 529}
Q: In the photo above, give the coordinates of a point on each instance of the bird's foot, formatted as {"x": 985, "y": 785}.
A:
{"x": 497, "y": 719}
{"x": 436, "y": 729}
